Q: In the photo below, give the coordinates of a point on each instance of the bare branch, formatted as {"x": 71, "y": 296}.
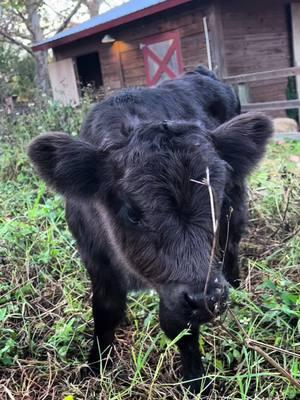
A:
{"x": 273, "y": 348}
{"x": 59, "y": 13}
{"x": 17, "y": 34}
{"x": 69, "y": 17}
{"x": 279, "y": 368}
{"x": 16, "y": 42}
{"x": 227, "y": 235}
{"x": 253, "y": 345}
{"x": 206, "y": 182}
{"x": 19, "y": 14}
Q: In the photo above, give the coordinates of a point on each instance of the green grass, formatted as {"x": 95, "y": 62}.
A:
{"x": 45, "y": 314}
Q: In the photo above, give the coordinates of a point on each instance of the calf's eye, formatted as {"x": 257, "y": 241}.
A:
{"x": 132, "y": 216}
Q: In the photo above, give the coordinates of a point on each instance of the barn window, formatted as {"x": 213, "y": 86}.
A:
{"x": 162, "y": 57}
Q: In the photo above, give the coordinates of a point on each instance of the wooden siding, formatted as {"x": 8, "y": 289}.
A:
{"x": 187, "y": 19}
{"x": 256, "y": 39}
{"x": 252, "y": 36}
{"x": 190, "y": 26}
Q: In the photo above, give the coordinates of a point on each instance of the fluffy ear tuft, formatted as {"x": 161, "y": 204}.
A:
{"x": 178, "y": 127}
{"x": 69, "y": 165}
{"x": 242, "y": 141}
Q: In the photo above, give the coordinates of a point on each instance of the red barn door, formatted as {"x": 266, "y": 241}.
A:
{"x": 162, "y": 57}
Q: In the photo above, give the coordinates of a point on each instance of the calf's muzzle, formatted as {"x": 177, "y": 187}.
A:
{"x": 192, "y": 303}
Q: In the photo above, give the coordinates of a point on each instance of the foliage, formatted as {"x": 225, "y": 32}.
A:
{"x": 24, "y": 22}
{"x": 45, "y": 315}
{"x": 16, "y": 74}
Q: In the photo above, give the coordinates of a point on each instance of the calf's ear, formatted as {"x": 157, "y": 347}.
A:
{"x": 241, "y": 142}
{"x": 71, "y": 166}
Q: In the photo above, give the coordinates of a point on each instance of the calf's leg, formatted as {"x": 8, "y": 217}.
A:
{"x": 109, "y": 305}
{"x": 231, "y": 266}
{"x": 232, "y": 227}
{"x": 109, "y": 283}
{"x": 192, "y": 366}
{"x": 108, "y": 311}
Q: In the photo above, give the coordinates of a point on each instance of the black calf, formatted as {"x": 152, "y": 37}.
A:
{"x": 139, "y": 217}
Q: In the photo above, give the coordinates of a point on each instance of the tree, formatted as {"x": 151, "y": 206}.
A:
{"x": 94, "y": 6}
{"x": 16, "y": 73}
{"x": 24, "y": 22}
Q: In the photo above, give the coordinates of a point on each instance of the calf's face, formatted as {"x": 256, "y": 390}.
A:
{"x": 153, "y": 188}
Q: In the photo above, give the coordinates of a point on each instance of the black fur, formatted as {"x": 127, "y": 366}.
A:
{"x": 138, "y": 219}
{"x": 71, "y": 167}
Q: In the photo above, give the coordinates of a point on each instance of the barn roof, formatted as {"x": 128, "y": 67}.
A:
{"x": 128, "y": 12}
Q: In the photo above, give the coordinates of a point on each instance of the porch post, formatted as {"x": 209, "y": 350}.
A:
{"x": 216, "y": 34}
{"x": 295, "y": 14}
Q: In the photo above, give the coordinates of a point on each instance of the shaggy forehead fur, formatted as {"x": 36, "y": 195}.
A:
{"x": 158, "y": 162}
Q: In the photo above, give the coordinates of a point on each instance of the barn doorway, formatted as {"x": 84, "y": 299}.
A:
{"x": 89, "y": 72}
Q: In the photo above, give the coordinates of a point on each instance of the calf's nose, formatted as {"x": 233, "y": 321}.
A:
{"x": 212, "y": 302}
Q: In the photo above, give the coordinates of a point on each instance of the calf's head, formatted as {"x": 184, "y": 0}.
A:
{"x": 153, "y": 188}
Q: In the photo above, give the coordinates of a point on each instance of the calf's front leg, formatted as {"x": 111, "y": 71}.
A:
{"x": 231, "y": 266}
{"x": 109, "y": 305}
{"x": 192, "y": 366}
{"x": 108, "y": 311}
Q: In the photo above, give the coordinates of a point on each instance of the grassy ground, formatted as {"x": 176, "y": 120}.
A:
{"x": 45, "y": 314}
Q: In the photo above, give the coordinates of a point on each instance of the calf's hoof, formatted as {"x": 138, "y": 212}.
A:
{"x": 96, "y": 363}
{"x": 201, "y": 386}
{"x": 83, "y": 373}
{"x": 88, "y": 372}
{"x": 195, "y": 379}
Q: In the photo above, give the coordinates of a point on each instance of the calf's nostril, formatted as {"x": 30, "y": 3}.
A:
{"x": 192, "y": 300}
{"x": 197, "y": 301}
{"x": 215, "y": 298}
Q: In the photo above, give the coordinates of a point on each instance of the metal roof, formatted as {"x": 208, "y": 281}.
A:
{"x": 127, "y": 12}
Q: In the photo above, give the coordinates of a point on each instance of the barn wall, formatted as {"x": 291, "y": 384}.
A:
{"x": 187, "y": 19}
{"x": 257, "y": 38}
{"x": 254, "y": 36}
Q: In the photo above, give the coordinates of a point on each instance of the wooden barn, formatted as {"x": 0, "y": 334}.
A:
{"x": 253, "y": 44}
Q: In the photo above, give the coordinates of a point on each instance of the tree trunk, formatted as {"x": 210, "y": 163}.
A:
{"x": 40, "y": 57}
{"x": 41, "y": 73}
{"x": 93, "y": 6}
